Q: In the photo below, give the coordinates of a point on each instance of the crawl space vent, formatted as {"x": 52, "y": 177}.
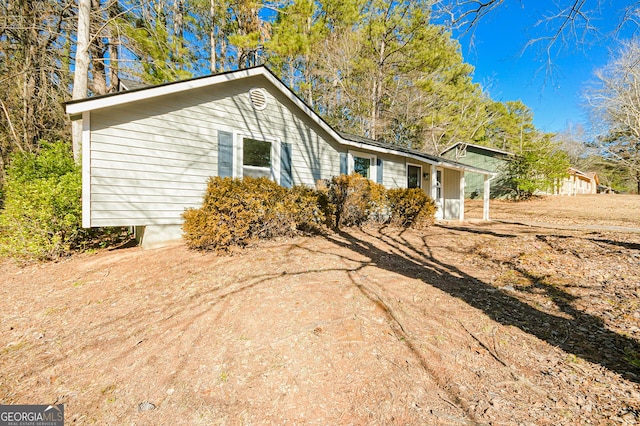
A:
{"x": 258, "y": 99}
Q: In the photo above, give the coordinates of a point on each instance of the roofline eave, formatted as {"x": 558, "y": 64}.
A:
{"x": 77, "y": 107}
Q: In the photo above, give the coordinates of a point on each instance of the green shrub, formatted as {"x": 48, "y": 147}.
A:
{"x": 42, "y": 213}
{"x": 411, "y": 207}
{"x": 355, "y": 200}
{"x": 235, "y": 212}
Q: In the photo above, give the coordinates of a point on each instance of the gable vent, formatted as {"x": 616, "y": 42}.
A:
{"x": 258, "y": 99}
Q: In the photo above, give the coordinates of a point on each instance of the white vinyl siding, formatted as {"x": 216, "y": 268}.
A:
{"x": 148, "y": 154}
{"x": 395, "y": 173}
{"x": 151, "y": 159}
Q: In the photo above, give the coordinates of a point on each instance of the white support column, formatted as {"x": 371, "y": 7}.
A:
{"x": 461, "y": 195}
{"x": 487, "y": 193}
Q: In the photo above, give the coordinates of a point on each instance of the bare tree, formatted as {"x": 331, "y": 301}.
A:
{"x": 34, "y": 73}
{"x": 615, "y": 103}
{"x": 573, "y": 140}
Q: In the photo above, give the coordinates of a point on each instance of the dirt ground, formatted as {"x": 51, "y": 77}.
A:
{"x": 500, "y": 323}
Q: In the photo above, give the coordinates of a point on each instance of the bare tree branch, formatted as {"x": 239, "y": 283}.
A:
{"x": 615, "y": 104}
{"x": 571, "y": 25}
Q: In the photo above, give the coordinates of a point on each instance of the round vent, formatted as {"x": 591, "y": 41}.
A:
{"x": 258, "y": 99}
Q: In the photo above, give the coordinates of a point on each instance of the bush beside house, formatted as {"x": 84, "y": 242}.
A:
{"x": 41, "y": 217}
{"x": 235, "y": 212}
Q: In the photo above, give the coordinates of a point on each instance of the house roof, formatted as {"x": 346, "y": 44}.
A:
{"x": 480, "y": 147}
{"x": 128, "y": 84}
{"x": 412, "y": 153}
{"x": 76, "y": 107}
{"x": 584, "y": 175}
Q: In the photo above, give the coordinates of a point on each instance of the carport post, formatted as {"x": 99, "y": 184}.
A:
{"x": 487, "y": 191}
{"x": 461, "y": 195}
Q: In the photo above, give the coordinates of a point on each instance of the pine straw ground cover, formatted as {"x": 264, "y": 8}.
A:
{"x": 473, "y": 323}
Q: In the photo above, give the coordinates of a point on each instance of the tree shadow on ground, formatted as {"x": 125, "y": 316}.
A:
{"x": 576, "y": 332}
{"x": 476, "y": 231}
{"x": 623, "y": 244}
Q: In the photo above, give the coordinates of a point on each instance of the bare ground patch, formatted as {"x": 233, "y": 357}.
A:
{"x": 459, "y": 324}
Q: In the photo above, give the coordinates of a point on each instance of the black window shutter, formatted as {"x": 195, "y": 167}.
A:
{"x": 343, "y": 163}
{"x": 286, "y": 171}
{"x": 225, "y": 154}
{"x": 379, "y": 171}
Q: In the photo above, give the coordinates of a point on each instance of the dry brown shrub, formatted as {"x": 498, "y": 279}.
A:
{"x": 411, "y": 207}
{"x": 237, "y": 211}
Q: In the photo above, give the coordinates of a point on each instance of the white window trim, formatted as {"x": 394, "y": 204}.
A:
{"x": 373, "y": 171}
{"x": 238, "y": 136}
{"x": 419, "y": 176}
{"x": 440, "y": 184}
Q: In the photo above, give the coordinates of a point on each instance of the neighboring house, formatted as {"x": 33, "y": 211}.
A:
{"x": 147, "y": 153}
{"x": 482, "y": 157}
{"x": 578, "y": 182}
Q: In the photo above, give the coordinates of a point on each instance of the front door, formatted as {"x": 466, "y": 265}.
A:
{"x": 414, "y": 176}
{"x": 439, "y": 199}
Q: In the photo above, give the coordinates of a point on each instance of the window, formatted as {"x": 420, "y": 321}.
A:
{"x": 438, "y": 184}
{"x": 414, "y": 174}
{"x": 362, "y": 166}
{"x": 365, "y": 164}
{"x": 256, "y": 158}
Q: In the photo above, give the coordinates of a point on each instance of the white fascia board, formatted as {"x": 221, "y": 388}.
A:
{"x": 383, "y": 150}
{"x": 126, "y": 97}
{"x": 467, "y": 168}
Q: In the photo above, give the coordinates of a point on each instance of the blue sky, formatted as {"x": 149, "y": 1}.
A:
{"x": 553, "y": 92}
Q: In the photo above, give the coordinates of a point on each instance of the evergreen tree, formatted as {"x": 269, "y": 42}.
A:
{"x": 159, "y": 54}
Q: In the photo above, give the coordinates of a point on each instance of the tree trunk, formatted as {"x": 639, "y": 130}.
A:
{"x": 97, "y": 52}
{"x": 377, "y": 91}
{"x": 178, "y": 26}
{"x": 81, "y": 70}
{"x": 212, "y": 35}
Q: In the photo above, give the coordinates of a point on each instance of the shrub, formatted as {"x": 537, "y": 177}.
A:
{"x": 309, "y": 208}
{"x": 411, "y": 207}
{"x": 42, "y": 207}
{"x": 356, "y": 200}
{"x": 235, "y": 212}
